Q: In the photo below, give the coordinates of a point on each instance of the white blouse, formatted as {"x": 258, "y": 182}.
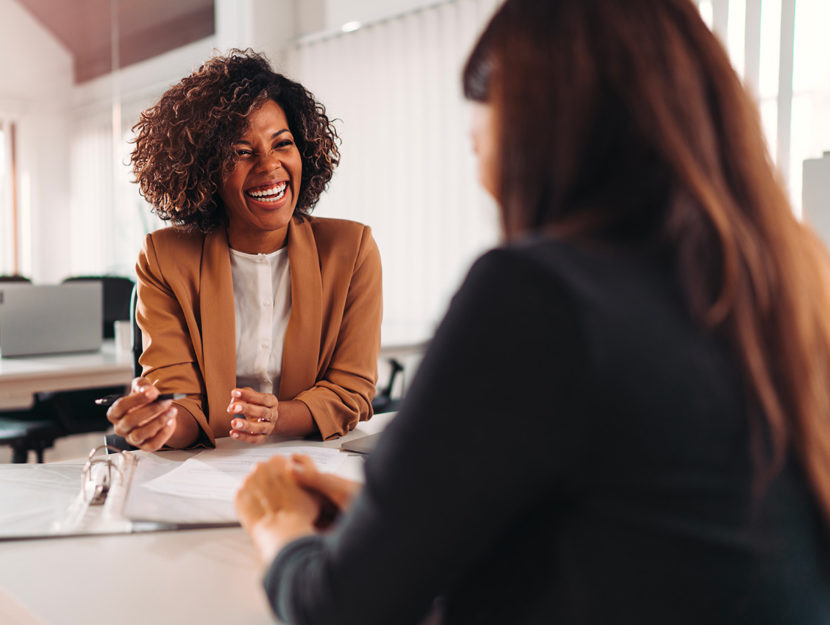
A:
{"x": 262, "y": 302}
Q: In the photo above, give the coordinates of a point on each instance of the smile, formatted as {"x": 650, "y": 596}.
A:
{"x": 272, "y": 193}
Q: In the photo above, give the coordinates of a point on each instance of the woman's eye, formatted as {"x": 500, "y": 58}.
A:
{"x": 244, "y": 153}
{"x": 284, "y": 143}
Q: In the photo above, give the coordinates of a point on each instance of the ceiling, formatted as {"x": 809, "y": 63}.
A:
{"x": 146, "y": 28}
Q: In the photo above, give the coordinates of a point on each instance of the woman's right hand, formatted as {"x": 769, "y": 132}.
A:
{"x": 336, "y": 493}
{"x": 142, "y": 421}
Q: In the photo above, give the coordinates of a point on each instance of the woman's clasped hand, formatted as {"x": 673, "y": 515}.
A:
{"x": 286, "y": 498}
{"x": 255, "y": 414}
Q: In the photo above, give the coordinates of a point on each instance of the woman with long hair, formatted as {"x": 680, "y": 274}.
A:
{"x": 624, "y": 415}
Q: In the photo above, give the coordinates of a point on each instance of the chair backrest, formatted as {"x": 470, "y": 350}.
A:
{"x": 137, "y": 347}
{"x": 383, "y": 400}
{"x": 117, "y": 291}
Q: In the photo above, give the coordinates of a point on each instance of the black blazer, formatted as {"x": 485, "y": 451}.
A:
{"x": 574, "y": 449}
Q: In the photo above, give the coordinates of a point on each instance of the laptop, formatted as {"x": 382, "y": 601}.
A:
{"x": 50, "y": 319}
{"x": 363, "y": 445}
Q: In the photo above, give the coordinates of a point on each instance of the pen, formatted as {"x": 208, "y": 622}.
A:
{"x": 109, "y": 400}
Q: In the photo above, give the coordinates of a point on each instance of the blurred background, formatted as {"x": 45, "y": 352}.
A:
{"x": 74, "y": 75}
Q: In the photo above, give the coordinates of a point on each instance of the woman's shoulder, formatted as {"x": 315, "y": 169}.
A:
{"x": 339, "y": 237}
{"x": 175, "y": 238}
{"x": 587, "y": 271}
{"x": 175, "y": 235}
{"x": 173, "y": 244}
{"x": 574, "y": 260}
{"x": 327, "y": 227}
{"x": 548, "y": 255}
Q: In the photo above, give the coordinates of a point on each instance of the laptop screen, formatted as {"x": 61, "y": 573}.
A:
{"x": 50, "y": 319}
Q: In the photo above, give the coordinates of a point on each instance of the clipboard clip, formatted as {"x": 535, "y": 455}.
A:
{"x": 99, "y": 473}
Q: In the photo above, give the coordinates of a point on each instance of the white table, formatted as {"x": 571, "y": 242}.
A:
{"x": 22, "y": 377}
{"x": 196, "y": 576}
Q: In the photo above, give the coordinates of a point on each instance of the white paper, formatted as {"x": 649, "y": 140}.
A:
{"x": 218, "y": 473}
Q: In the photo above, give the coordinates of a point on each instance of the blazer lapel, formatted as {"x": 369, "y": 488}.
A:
{"x": 301, "y": 347}
{"x": 218, "y": 329}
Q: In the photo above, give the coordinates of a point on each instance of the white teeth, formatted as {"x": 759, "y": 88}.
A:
{"x": 271, "y": 194}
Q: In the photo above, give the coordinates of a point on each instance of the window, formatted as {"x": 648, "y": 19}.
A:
{"x": 9, "y": 216}
{"x": 780, "y": 48}
{"x": 810, "y": 135}
{"x": 407, "y": 167}
{"x": 110, "y": 218}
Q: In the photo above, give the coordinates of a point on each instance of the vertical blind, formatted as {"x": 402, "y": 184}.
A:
{"x": 407, "y": 167}
{"x": 109, "y": 217}
{"x": 9, "y": 227}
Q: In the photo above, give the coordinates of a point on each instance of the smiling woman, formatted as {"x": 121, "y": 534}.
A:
{"x": 266, "y": 318}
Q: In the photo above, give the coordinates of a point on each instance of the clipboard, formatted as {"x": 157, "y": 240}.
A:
{"x": 116, "y": 497}
{"x": 44, "y": 501}
{"x": 107, "y": 483}
{"x": 141, "y": 505}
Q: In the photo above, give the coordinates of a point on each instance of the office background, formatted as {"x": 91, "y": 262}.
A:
{"x": 387, "y": 69}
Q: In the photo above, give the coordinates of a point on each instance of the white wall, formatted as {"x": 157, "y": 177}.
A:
{"x": 34, "y": 64}
{"x": 110, "y": 218}
{"x": 35, "y": 87}
{"x": 74, "y": 178}
{"x": 407, "y": 167}
{"x": 816, "y": 195}
{"x": 264, "y": 25}
{"x": 339, "y": 12}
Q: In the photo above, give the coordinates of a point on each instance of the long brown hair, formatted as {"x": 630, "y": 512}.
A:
{"x": 627, "y": 119}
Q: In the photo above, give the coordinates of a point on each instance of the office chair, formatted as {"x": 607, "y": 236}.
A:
{"x": 383, "y": 401}
{"x": 75, "y": 412}
{"x": 24, "y": 435}
{"x": 58, "y": 414}
{"x": 14, "y": 277}
{"x": 136, "y": 347}
{"x": 26, "y": 430}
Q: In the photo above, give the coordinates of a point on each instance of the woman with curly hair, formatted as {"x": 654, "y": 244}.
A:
{"x": 266, "y": 319}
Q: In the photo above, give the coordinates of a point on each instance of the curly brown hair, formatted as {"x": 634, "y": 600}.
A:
{"x": 184, "y": 142}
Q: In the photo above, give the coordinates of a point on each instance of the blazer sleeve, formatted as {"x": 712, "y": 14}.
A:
{"x": 342, "y": 396}
{"x": 169, "y": 335}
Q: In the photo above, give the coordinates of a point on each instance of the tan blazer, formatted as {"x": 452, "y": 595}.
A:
{"x": 186, "y": 314}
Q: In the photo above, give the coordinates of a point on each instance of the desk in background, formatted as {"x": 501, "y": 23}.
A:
{"x": 22, "y": 377}
{"x": 188, "y": 576}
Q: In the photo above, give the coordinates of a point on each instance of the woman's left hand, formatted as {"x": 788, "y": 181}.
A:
{"x": 274, "y": 508}
{"x": 257, "y": 415}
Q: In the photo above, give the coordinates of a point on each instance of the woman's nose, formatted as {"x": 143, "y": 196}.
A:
{"x": 269, "y": 161}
